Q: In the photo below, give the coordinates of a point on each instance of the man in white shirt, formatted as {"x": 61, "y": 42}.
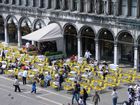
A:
{"x": 87, "y": 56}
{"x": 24, "y": 76}
{"x": 27, "y": 46}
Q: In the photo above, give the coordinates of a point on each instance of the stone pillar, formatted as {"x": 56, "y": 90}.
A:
{"x": 135, "y": 57}
{"x": 71, "y": 5}
{"x": 19, "y": 37}
{"x": 47, "y": 4}
{"x": 6, "y": 33}
{"x": 63, "y": 4}
{"x": 79, "y": 6}
{"x": 79, "y": 47}
{"x": 97, "y": 50}
{"x": 54, "y": 3}
{"x": 117, "y": 7}
{"x": 95, "y": 7}
{"x": 115, "y": 54}
{"x": 88, "y": 6}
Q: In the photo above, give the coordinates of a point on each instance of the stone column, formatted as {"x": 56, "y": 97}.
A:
{"x": 88, "y": 6}
{"x": 79, "y": 6}
{"x": 97, "y": 50}
{"x": 63, "y": 4}
{"x": 79, "y": 47}
{"x": 19, "y": 37}
{"x": 54, "y": 3}
{"x": 117, "y": 7}
{"x": 115, "y": 54}
{"x": 71, "y": 5}
{"x": 47, "y": 4}
{"x": 6, "y": 33}
{"x": 135, "y": 57}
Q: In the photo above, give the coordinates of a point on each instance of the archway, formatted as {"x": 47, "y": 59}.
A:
{"x": 1, "y": 29}
{"x": 38, "y": 24}
{"x": 25, "y": 28}
{"x": 70, "y": 36}
{"x": 12, "y": 30}
{"x": 87, "y": 38}
{"x": 125, "y": 47}
{"x": 106, "y": 44}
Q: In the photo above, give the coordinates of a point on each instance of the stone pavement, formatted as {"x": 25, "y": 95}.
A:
{"x": 49, "y": 96}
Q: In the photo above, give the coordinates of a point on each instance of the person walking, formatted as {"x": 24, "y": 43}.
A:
{"x": 114, "y": 96}
{"x": 24, "y": 76}
{"x": 34, "y": 87}
{"x": 85, "y": 96}
{"x": 96, "y": 98}
{"x": 3, "y": 54}
{"x": 75, "y": 93}
{"x": 16, "y": 84}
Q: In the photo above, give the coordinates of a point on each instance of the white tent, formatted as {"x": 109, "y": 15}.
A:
{"x": 48, "y": 33}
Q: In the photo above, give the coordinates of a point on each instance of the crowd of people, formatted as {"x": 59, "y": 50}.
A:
{"x": 78, "y": 75}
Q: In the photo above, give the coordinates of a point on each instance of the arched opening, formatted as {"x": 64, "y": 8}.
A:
{"x": 125, "y": 47}
{"x": 106, "y": 43}
{"x": 12, "y": 31}
{"x": 38, "y": 25}
{"x": 70, "y": 35}
{"x": 1, "y": 29}
{"x": 87, "y": 38}
{"x": 25, "y": 29}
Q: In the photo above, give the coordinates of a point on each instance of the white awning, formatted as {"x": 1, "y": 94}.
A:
{"x": 47, "y": 33}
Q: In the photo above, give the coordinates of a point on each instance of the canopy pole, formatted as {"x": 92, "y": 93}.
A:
{"x": 38, "y": 45}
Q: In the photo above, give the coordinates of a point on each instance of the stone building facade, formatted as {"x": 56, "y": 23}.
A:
{"x": 110, "y": 29}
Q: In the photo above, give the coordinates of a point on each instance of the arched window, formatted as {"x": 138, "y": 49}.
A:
{"x": 49, "y": 4}
{"x": 6, "y": 1}
{"x": 66, "y": 4}
{"x": 58, "y": 4}
{"x": 133, "y": 8}
{"x": 13, "y": 2}
{"x": 42, "y": 3}
{"x": 75, "y": 5}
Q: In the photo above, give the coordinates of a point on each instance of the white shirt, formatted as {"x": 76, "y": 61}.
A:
{"x": 27, "y": 45}
{"x": 114, "y": 94}
{"x": 24, "y": 73}
{"x": 87, "y": 54}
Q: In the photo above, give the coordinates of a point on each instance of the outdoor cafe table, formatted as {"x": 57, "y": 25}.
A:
{"x": 73, "y": 72}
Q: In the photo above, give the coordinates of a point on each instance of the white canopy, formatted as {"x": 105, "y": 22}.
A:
{"x": 47, "y": 33}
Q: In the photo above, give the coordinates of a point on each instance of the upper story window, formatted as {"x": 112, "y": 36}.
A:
{"x": 42, "y": 4}
{"x": 21, "y": 2}
{"x": 91, "y": 4}
{"x": 6, "y": 1}
{"x": 49, "y": 3}
{"x": 13, "y": 2}
{"x": 0, "y": 1}
{"x": 82, "y": 5}
{"x": 66, "y": 4}
{"x": 58, "y": 3}
{"x": 124, "y": 7}
{"x": 103, "y": 7}
{"x": 112, "y": 7}
{"x": 35, "y": 3}
{"x": 75, "y": 5}
{"x": 133, "y": 8}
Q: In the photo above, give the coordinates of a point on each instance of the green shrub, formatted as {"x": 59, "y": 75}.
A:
{"x": 47, "y": 53}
